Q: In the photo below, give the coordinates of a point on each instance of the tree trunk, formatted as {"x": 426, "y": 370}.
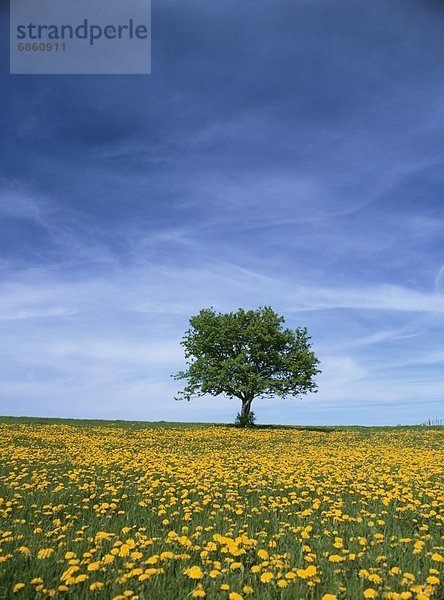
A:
{"x": 245, "y": 411}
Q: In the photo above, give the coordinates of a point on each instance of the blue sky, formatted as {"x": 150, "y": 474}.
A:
{"x": 287, "y": 153}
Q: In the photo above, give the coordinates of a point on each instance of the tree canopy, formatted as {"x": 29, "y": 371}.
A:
{"x": 246, "y": 354}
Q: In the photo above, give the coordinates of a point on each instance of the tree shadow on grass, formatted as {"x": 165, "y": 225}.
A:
{"x": 289, "y": 427}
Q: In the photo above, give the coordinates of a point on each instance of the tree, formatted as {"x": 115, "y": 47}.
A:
{"x": 246, "y": 355}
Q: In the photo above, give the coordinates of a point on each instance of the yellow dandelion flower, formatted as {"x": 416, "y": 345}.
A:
{"x": 107, "y": 559}
{"x": 97, "y": 585}
{"x": 69, "y": 555}
{"x": 18, "y": 587}
{"x": 335, "y": 558}
{"x": 124, "y": 550}
{"x": 44, "y": 553}
{"x": 69, "y": 573}
{"x": 194, "y": 572}
{"x": 266, "y": 577}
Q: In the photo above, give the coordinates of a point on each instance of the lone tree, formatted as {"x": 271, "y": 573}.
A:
{"x": 246, "y": 355}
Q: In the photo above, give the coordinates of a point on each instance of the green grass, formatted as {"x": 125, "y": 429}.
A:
{"x": 96, "y": 422}
{"x": 120, "y": 423}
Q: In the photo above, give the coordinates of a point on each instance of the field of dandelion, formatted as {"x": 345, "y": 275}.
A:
{"x": 168, "y": 512}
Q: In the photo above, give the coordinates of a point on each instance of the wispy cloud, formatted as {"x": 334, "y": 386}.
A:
{"x": 382, "y": 297}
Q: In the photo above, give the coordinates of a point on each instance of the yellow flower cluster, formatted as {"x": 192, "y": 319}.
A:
{"x": 170, "y": 513}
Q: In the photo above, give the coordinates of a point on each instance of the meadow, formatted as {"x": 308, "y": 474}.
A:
{"x": 169, "y": 512}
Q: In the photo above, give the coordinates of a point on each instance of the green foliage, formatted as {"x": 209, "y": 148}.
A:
{"x": 245, "y": 420}
{"x": 246, "y": 354}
